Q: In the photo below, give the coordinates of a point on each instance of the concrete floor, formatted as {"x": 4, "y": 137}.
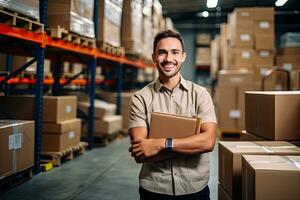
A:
{"x": 104, "y": 173}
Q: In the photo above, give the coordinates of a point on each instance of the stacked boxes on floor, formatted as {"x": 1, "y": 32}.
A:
{"x": 202, "y": 53}
{"x": 109, "y": 22}
{"x": 229, "y": 98}
{"x": 60, "y": 128}
{"x": 74, "y": 15}
{"x": 106, "y": 122}
{"x": 16, "y": 146}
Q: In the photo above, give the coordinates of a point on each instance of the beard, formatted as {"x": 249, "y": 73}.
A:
{"x": 168, "y": 74}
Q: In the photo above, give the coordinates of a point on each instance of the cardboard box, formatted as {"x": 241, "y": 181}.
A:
{"x": 235, "y": 77}
{"x": 74, "y": 15}
{"x": 271, "y": 177}
{"x": 259, "y": 72}
{"x": 163, "y": 125}
{"x": 263, "y": 13}
{"x": 273, "y": 115}
{"x": 288, "y": 62}
{"x": 264, "y": 27}
{"x": 29, "y": 8}
{"x": 295, "y": 80}
{"x": 61, "y": 136}
{"x": 222, "y": 195}
{"x": 242, "y": 19}
{"x": 242, "y": 58}
{"x": 230, "y": 160}
{"x": 101, "y": 110}
{"x": 264, "y": 57}
{"x": 242, "y": 39}
{"x": 264, "y": 42}
{"x": 202, "y": 56}
{"x": 106, "y": 126}
{"x": 203, "y": 39}
{"x": 289, "y": 51}
{"x": 109, "y": 22}
{"x": 16, "y": 146}
{"x": 55, "y": 108}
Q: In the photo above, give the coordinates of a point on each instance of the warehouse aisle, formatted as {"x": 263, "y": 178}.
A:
{"x": 104, "y": 173}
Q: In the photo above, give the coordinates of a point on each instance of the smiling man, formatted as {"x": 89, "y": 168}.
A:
{"x": 172, "y": 168}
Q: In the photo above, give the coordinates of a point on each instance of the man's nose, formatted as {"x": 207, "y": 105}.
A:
{"x": 168, "y": 57}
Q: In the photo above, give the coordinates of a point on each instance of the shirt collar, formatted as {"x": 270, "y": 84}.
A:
{"x": 158, "y": 84}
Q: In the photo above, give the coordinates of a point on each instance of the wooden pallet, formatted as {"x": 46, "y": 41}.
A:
{"x": 13, "y": 18}
{"x": 66, "y": 35}
{"x": 104, "y": 140}
{"x": 111, "y": 49}
{"x": 56, "y": 158}
{"x": 16, "y": 179}
{"x": 229, "y": 133}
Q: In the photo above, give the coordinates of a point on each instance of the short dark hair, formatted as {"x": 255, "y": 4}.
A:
{"x": 165, "y": 34}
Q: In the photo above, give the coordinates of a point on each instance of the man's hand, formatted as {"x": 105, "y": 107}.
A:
{"x": 146, "y": 147}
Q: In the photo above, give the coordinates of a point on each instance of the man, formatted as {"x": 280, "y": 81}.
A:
{"x": 183, "y": 172}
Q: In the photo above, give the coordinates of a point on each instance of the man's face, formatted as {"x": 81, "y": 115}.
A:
{"x": 168, "y": 57}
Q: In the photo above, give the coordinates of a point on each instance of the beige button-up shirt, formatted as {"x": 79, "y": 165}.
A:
{"x": 184, "y": 174}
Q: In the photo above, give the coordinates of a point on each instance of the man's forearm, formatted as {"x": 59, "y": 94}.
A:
{"x": 163, "y": 155}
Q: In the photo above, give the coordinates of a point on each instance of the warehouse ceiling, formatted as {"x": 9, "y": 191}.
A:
{"x": 186, "y": 13}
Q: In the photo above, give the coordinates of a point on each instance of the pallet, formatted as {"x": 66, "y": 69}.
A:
{"x": 56, "y": 158}
{"x": 12, "y": 18}
{"x": 104, "y": 140}
{"x": 133, "y": 55}
{"x": 229, "y": 133}
{"x": 66, "y": 35}
{"x": 16, "y": 179}
{"x": 111, "y": 49}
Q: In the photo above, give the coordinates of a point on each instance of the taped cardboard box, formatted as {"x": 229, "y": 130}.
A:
{"x": 61, "y": 136}
{"x": 271, "y": 177}
{"x": 101, "y": 110}
{"x": 55, "y": 108}
{"x": 242, "y": 39}
{"x": 222, "y": 195}
{"x": 242, "y": 58}
{"x": 264, "y": 42}
{"x": 273, "y": 115}
{"x": 242, "y": 19}
{"x": 106, "y": 126}
{"x": 16, "y": 146}
{"x": 230, "y": 160}
{"x": 163, "y": 125}
{"x": 264, "y": 27}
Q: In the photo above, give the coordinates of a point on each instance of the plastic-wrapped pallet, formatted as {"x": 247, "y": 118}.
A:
{"x": 29, "y": 8}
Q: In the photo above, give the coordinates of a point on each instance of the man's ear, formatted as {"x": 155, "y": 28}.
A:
{"x": 183, "y": 57}
{"x": 153, "y": 57}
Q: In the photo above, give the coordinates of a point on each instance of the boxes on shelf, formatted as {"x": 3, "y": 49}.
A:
{"x": 264, "y": 57}
{"x": 273, "y": 115}
{"x": 230, "y": 160}
{"x": 106, "y": 126}
{"x": 101, "y": 110}
{"x": 202, "y": 56}
{"x": 16, "y": 146}
{"x": 29, "y": 8}
{"x": 109, "y": 22}
{"x": 203, "y": 39}
{"x": 270, "y": 177}
{"x": 242, "y": 58}
{"x": 73, "y": 15}
{"x": 131, "y": 29}
{"x": 264, "y": 42}
{"x": 60, "y": 136}
{"x": 18, "y": 61}
{"x": 55, "y": 108}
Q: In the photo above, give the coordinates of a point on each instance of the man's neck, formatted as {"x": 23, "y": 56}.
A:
{"x": 170, "y": 83}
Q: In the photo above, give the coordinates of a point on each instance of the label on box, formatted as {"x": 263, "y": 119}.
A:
{"x": 234, "y": 114}
{"x": 235, "y": 80}
{"x": 263, "y": 71}
{"x": 245, "y": 14}
{"x": 245, "y": 37}
{"x": 15, "y": 141}
{"x": 68, "y": 108}
{"x": 288, "y": 66}
{"x": 264, "y": 54}
{"x": 246, "y": 55}
{"x": 71, "y": 134}
{"x": 264, "y": 25}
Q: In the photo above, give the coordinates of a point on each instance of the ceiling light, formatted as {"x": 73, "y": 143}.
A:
{"x": 280, "y": 2}
{"x": 212, "y": 3}
{"x": 205, "y": 14}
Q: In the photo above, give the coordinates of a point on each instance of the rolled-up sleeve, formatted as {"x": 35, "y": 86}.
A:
{"x": 206, "y": 108}
{"x": 137, "y": 112}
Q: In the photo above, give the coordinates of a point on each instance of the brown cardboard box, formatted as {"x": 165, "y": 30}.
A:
{"x": 202, "y": 56}
{"x": 264, "y": 42}
{"x": 203, "y": 39}
{"x": 61, "y": 136}
{"x": 273, "y": 115}
{"x": 292, "y": 51}
{"x": 102, "y": 108}
{"x": 259, "y": 72}
{"x": 243, "y": 58}
{"x": 230, "y": 160}
{"x": 242, "y": 19}
{"x": 295, "y": 80}
{"x": 235, "y": 77}
{"x": 163, "y": 125}
{"x": 16, "y": 146}
{"x": 109, "y": 22}
{"x": 55, "y": 108}
{"x": 288, "y": 62}
{"x": 264, "y": 27}
{"x": 74, "y": 15}
{"x": 106, "y": 126}
{"x": 263, "y": 13}
{"x": 264, "y": 57}
{"x": 222, "y": 195}
{"x": 242, "y": 39}
{"x": 245, "y": 136}
{"x": 271, "y": 177}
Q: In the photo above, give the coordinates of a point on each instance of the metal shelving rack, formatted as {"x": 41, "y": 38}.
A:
{"x": 42, "y": 42}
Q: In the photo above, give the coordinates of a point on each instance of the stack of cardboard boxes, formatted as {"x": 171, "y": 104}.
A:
{"x": 60, "y": 129}
{"x": 272, "y": 116}
{"x": 28, "y": 8}
{"x": 214, "y": 57}
{"x": 202, "y": 52}
{"x": 106, "y": 122}
{"x": 148, "y": 31}
{"x": 16, "y": 146}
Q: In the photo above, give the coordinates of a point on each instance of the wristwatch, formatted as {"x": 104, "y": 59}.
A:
{"x": 169, "y": 144}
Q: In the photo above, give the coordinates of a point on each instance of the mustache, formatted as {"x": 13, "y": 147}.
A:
{"x": 165, "y": 63}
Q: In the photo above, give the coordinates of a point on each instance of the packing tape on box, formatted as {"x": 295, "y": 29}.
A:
{"x": 287, "y": 161}
{"x": 290, "y": 160}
